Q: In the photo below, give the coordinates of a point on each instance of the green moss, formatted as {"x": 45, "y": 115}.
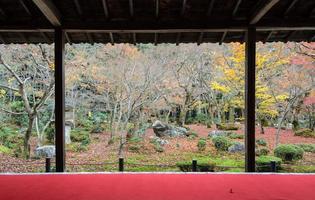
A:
{"x": 227, "y": 127}
{"x": 202, "y": 144}
{"x": 236, "y": 136}
{"x": 303, "y": 169}
{"x": 305, "y": 132}
{"x": 203, "y": 165}
{"x": 263, "y": 163}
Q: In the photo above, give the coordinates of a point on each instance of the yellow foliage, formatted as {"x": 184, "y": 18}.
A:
{"x": 218, "y": 87}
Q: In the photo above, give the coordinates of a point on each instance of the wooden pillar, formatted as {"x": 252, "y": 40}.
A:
{"x": 250, "y": 65}
{"x": 60, "y": 99}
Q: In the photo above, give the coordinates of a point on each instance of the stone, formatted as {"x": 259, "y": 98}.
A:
{"x": 162, "y": 129}
{"x": 159, "y": 141}
{"x": 236, "y": 148}
{"x": 216, "y": 133}
{"x": 47, "y": 151}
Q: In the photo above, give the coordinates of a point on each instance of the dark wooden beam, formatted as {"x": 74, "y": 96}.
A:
{"x": 237, "y": 5}
{"x": 182, "y": 12}
{"x": 105, "y": 8}
{"x": 289, "y": 36}
{"x": 46, "y": 38}
{"x": 268, "y": 36}
{"x": 223, "y": 37}
{"x": 131, "y": 9}
{"x": 3, "y": 14}
{"x": 262, "y": 10}
{"x": 200, "y": 38}
{"x": 289, "y": 8}
{"x": 111, "y": 37}
{"x": 157, "y": 8}
{"x": 178, "y": 36}
{"x": 134, "y": 38}
{"x": 156, "y": 38}
{"x": 2, "y": 39}
{"x": 250, "y": 65}
{"x": 67, "y": 37}
{"x": 23, "y": 37}
{"x": 210, "y": 7}
{"x": 49, "y": 10}
{"x": 89, "y": 37}
{"x": 60, "y": 99}
{"x": 78, "y": 7}
{"x": 27, "y": 10}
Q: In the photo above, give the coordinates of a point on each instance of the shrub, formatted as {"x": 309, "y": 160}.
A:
{"x": 202, "y": 166}
{"x": 289, "y": 152}
{"x": 192, "y": 133}
{"x": 209, "y": 124}
{"x": 262, "y": 151}
{"x": 261, "y": 142}
{"x": 5, "y": 150}
{"x": 221, "y": 143}
{"x": 263, "y": 163}
{"x": 307, "y": 147}
{"x": 134, "y": 148}
{"x": 236, "y": 136}
{"x": 77, "y": 147}
{"x": 305, "y": 132}
{"x": 158, "y": 148}
{"x": 79, "y": 135}
{"x": 202, "y": 118}
{"x": 201, "y": 144}
{"x": 227, "y": 127}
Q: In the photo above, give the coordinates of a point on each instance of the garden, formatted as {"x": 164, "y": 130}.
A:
{"x": 158, "y": 108}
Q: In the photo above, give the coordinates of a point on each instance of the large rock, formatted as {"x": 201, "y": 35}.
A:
{"x": 216, "y": 133}
{"x": 236, "y": 148}
{"x": 161, "y": 129}
{"x": 47, "y": 151}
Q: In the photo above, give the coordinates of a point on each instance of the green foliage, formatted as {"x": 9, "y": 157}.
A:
{"x": 305, "y": 132}
{"x": 158, "y": 148}
{"x": 209, "y": 124}
{"x": 77, "y": 147}
{"x": 80, "y": 135}
{"x": 5, "y": 150}
{"x": 263, "y": 163}
{"x": 261, "y": 142}
{"x": 50, "y": 134}
{"x": 234, "y": 162}
{"x": 307, "y": 147}
{"x": 262, "y": 151}
{"x": 20, "y": 120}
{"x": 227, "y": 127}
{"x": 236, "y": 136}
{"x": 202, "y": 144}
{"x": 11, "y": 139}
{"x": 201, "y": 118}
{"x": 303, "y": 169}
{"x": 203, "y": 165}
{"x": 289, "y": 152}
{"x": 192, "y": 133}
{"x": 221, "y": 143}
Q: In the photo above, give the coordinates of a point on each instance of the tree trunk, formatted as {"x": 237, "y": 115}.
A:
{"x": 262, "y": 131}
{"x": 27, "y": 149}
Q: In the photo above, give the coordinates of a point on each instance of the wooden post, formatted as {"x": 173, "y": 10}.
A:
{"x": 60, "y": 99}
{"x": 47, "y": 164}
{"x": 194, "y": 165}
{"x": 273, "y": 166}
{"x": 250, "y": 65}
{"x": 121, "y": 164}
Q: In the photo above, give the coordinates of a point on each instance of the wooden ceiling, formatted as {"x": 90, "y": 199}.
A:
{"x": 156, "y": 21}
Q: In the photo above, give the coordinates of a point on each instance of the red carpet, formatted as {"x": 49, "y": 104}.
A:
{"x": 157, "y": 187}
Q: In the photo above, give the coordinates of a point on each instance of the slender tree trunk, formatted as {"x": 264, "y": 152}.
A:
{"x": 28, "y": 133}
